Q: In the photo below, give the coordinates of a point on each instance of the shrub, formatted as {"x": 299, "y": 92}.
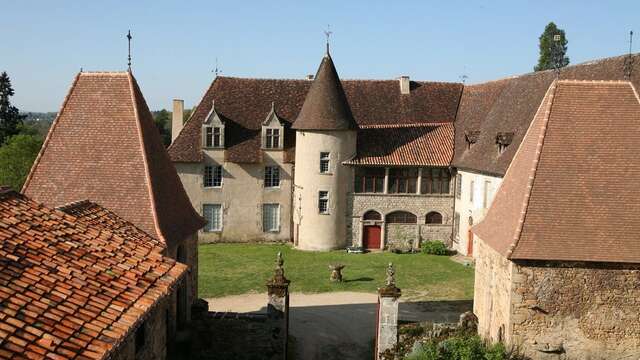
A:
{"x": 435, "y": 247}
{"x": 460, "y": 347}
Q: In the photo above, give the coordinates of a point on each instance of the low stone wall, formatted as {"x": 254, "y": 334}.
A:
{"x": 575, "y": 310}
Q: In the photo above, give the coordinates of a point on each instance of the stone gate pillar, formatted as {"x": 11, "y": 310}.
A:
{"x": 278, "y": 309}
{"x": 387, "y": 322}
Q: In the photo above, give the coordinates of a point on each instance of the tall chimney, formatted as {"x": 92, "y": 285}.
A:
{"x": 177, "y": 118}
{"x": 404, "y": 85}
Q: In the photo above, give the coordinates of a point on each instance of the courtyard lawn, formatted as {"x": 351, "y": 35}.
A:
{"x": 232, "y": 269}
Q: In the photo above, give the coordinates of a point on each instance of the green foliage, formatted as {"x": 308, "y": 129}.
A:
{"x": 16, "y": 158}
{"x": 435, "y": 247}
{"x": 552, "y": 52}
{"x": 10, "y": 118}
{"x": 461, "y": 347}
{"x": 162, "y": 119}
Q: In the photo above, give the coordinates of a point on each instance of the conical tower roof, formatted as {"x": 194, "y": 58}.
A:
{"x": 326, "y": 106}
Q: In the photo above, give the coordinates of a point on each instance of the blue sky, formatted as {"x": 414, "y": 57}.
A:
{"x": 45, "y": 43}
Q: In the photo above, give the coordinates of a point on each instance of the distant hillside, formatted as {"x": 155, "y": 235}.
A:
{"x": 40, "y": 116}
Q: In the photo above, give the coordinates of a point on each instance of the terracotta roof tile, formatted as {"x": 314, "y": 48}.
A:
{"x": 68, "y": 317}
{"x": 509, "y": 105}
{"x": 104, "y": 146}
{"x": 245, "y": 103}
{"x": 411, "y": 144}
{"x": 569, "y": 193}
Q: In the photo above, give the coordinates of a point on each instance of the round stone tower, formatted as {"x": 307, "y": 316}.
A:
{"x": 325, "y": 137}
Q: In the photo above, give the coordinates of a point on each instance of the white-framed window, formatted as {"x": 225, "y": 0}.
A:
{"x": 485, "y": 199}
{"x": 271, "y": 217}
{"x": 212, "y": 176}
{"x": 324, "y": 162}
{"x": 213, "y": 136}
{"x": 323, "y": 202}
{"x": 272, "y": 138}
{"x": 271, "y": 177}
{"x": 472, "y": 189}
{"x": 213, "y": 214}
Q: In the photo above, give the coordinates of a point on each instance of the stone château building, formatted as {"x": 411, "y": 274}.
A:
{"x": 104, "y": 148}
{"x": 558, "y": 257}
{"x": 427, "y": 160}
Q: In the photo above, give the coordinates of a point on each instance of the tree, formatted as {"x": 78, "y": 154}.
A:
{"x": 162, "y": 119}
{"x": 552, "y": 51}
{"x": 10, "y": 118}
{"x": 16, "y": 157}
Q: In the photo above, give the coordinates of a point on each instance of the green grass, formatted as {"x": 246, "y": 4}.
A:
{"x": 232, "y": 269}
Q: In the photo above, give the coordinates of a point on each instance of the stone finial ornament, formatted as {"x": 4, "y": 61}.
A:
{"x": 278, "y": 282}
{"x": 390, "y": 288}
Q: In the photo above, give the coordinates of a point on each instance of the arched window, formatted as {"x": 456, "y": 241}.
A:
{"x": 372, "y": 215}
{"x": 401, "y": 217}
{"x": 434, "y": 217}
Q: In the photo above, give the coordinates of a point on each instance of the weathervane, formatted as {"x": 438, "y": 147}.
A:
{"x": 217, "y": 70}
{"x": 129, "y": 37}
{"x": 328, "y": 33}
{"x": 628, "y": 62}
{"x": 464, "y": 75}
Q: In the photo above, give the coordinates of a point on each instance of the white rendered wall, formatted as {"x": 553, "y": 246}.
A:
{"x": 474, "y": 207}
{"x": 312, "y": 230}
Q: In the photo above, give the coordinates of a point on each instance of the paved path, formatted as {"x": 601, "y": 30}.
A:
{"x": 339, "y": 325}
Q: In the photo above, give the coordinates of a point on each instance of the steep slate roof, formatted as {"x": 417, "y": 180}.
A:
{"x": 245, "y": 103}
{"x": 570, "y": 192}
{"x": 69, "y": 290}
{"x": 95, "y": 215}
{"x": 410, "y": 145}
{"x": 104, "y": 146}
{"x": 509, "y": 105}
{"x": 325, "y": 106}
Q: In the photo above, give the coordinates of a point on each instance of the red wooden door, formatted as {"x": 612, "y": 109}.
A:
{"x": 371, "y": 238}
{"x": 470, "y": 244}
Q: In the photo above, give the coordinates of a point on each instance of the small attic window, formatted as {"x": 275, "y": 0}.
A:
{"x": 213, "y": 130}
{"x": 272, "y": 130}
{"x": 471, "y": 137}
{"x": 503, "y": 140}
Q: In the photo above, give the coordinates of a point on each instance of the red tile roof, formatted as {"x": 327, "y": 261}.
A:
{"x": 509, "y": 105}
{"x": 325, "y": 107}
{"x": 570, "y": 193}
{"x": 410, "y": 144}
{"x": 104, "y": 147}
{"x": 245, "y": 103}
{"x": 95, "y": 215}
{"x": 69, "y": 290}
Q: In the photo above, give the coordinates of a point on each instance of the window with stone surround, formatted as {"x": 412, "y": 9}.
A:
{"x": 401, "y": 217}
{"x": 324, "y": 162}
{"x": 272, "y": 139}
{"x": 434, "y": 217}
{"x": 435, "y": 181}
{"x": 402, "y": 180}
{"x": 271, "y": 217}
{"x": 213, "y": 137}
{"x": 212, "y": 213}
{"x": 323, "y": 202}
{"x": 369, "y": 180}
{"x": 212, "y": 176}
{"x": 271, "y": 177}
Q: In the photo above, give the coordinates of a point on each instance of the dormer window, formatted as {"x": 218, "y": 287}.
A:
{"x": 272, "y": 130}
{"x": 213, "y": 130}
{"x": 503, "y": 140}
{"x": 471, "y": 137}
{"x": 213, "y": 137}
{"x": 272, "y": 139}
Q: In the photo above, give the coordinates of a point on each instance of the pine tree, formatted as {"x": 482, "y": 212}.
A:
{"x": 552, "y": 52}
{"x": 10, "y": 118}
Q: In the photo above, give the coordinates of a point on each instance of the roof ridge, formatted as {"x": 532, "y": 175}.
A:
{"x": 52, "y": 129}
{"x": 348, "y": 79}
{"x": 152, "y": 197}
{"x": 578, "y": 81}
{"x": 543, "y": 132}
{"x": 389, "y": 126}
{"x": 97, "y": 73}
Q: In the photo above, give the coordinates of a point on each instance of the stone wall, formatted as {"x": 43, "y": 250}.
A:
{"x": 582, "y": 310}
{"x": 155, "y": 337}
{"x": 242, "y": 195}
{"x": 492, "y": 293}
{"x": 419, "y": 205}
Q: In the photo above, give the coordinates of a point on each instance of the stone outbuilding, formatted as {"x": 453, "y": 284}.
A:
{"x": 105, "y": 148}
{"x": 73, "y": 289}
{"x": 558, "y": 256}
